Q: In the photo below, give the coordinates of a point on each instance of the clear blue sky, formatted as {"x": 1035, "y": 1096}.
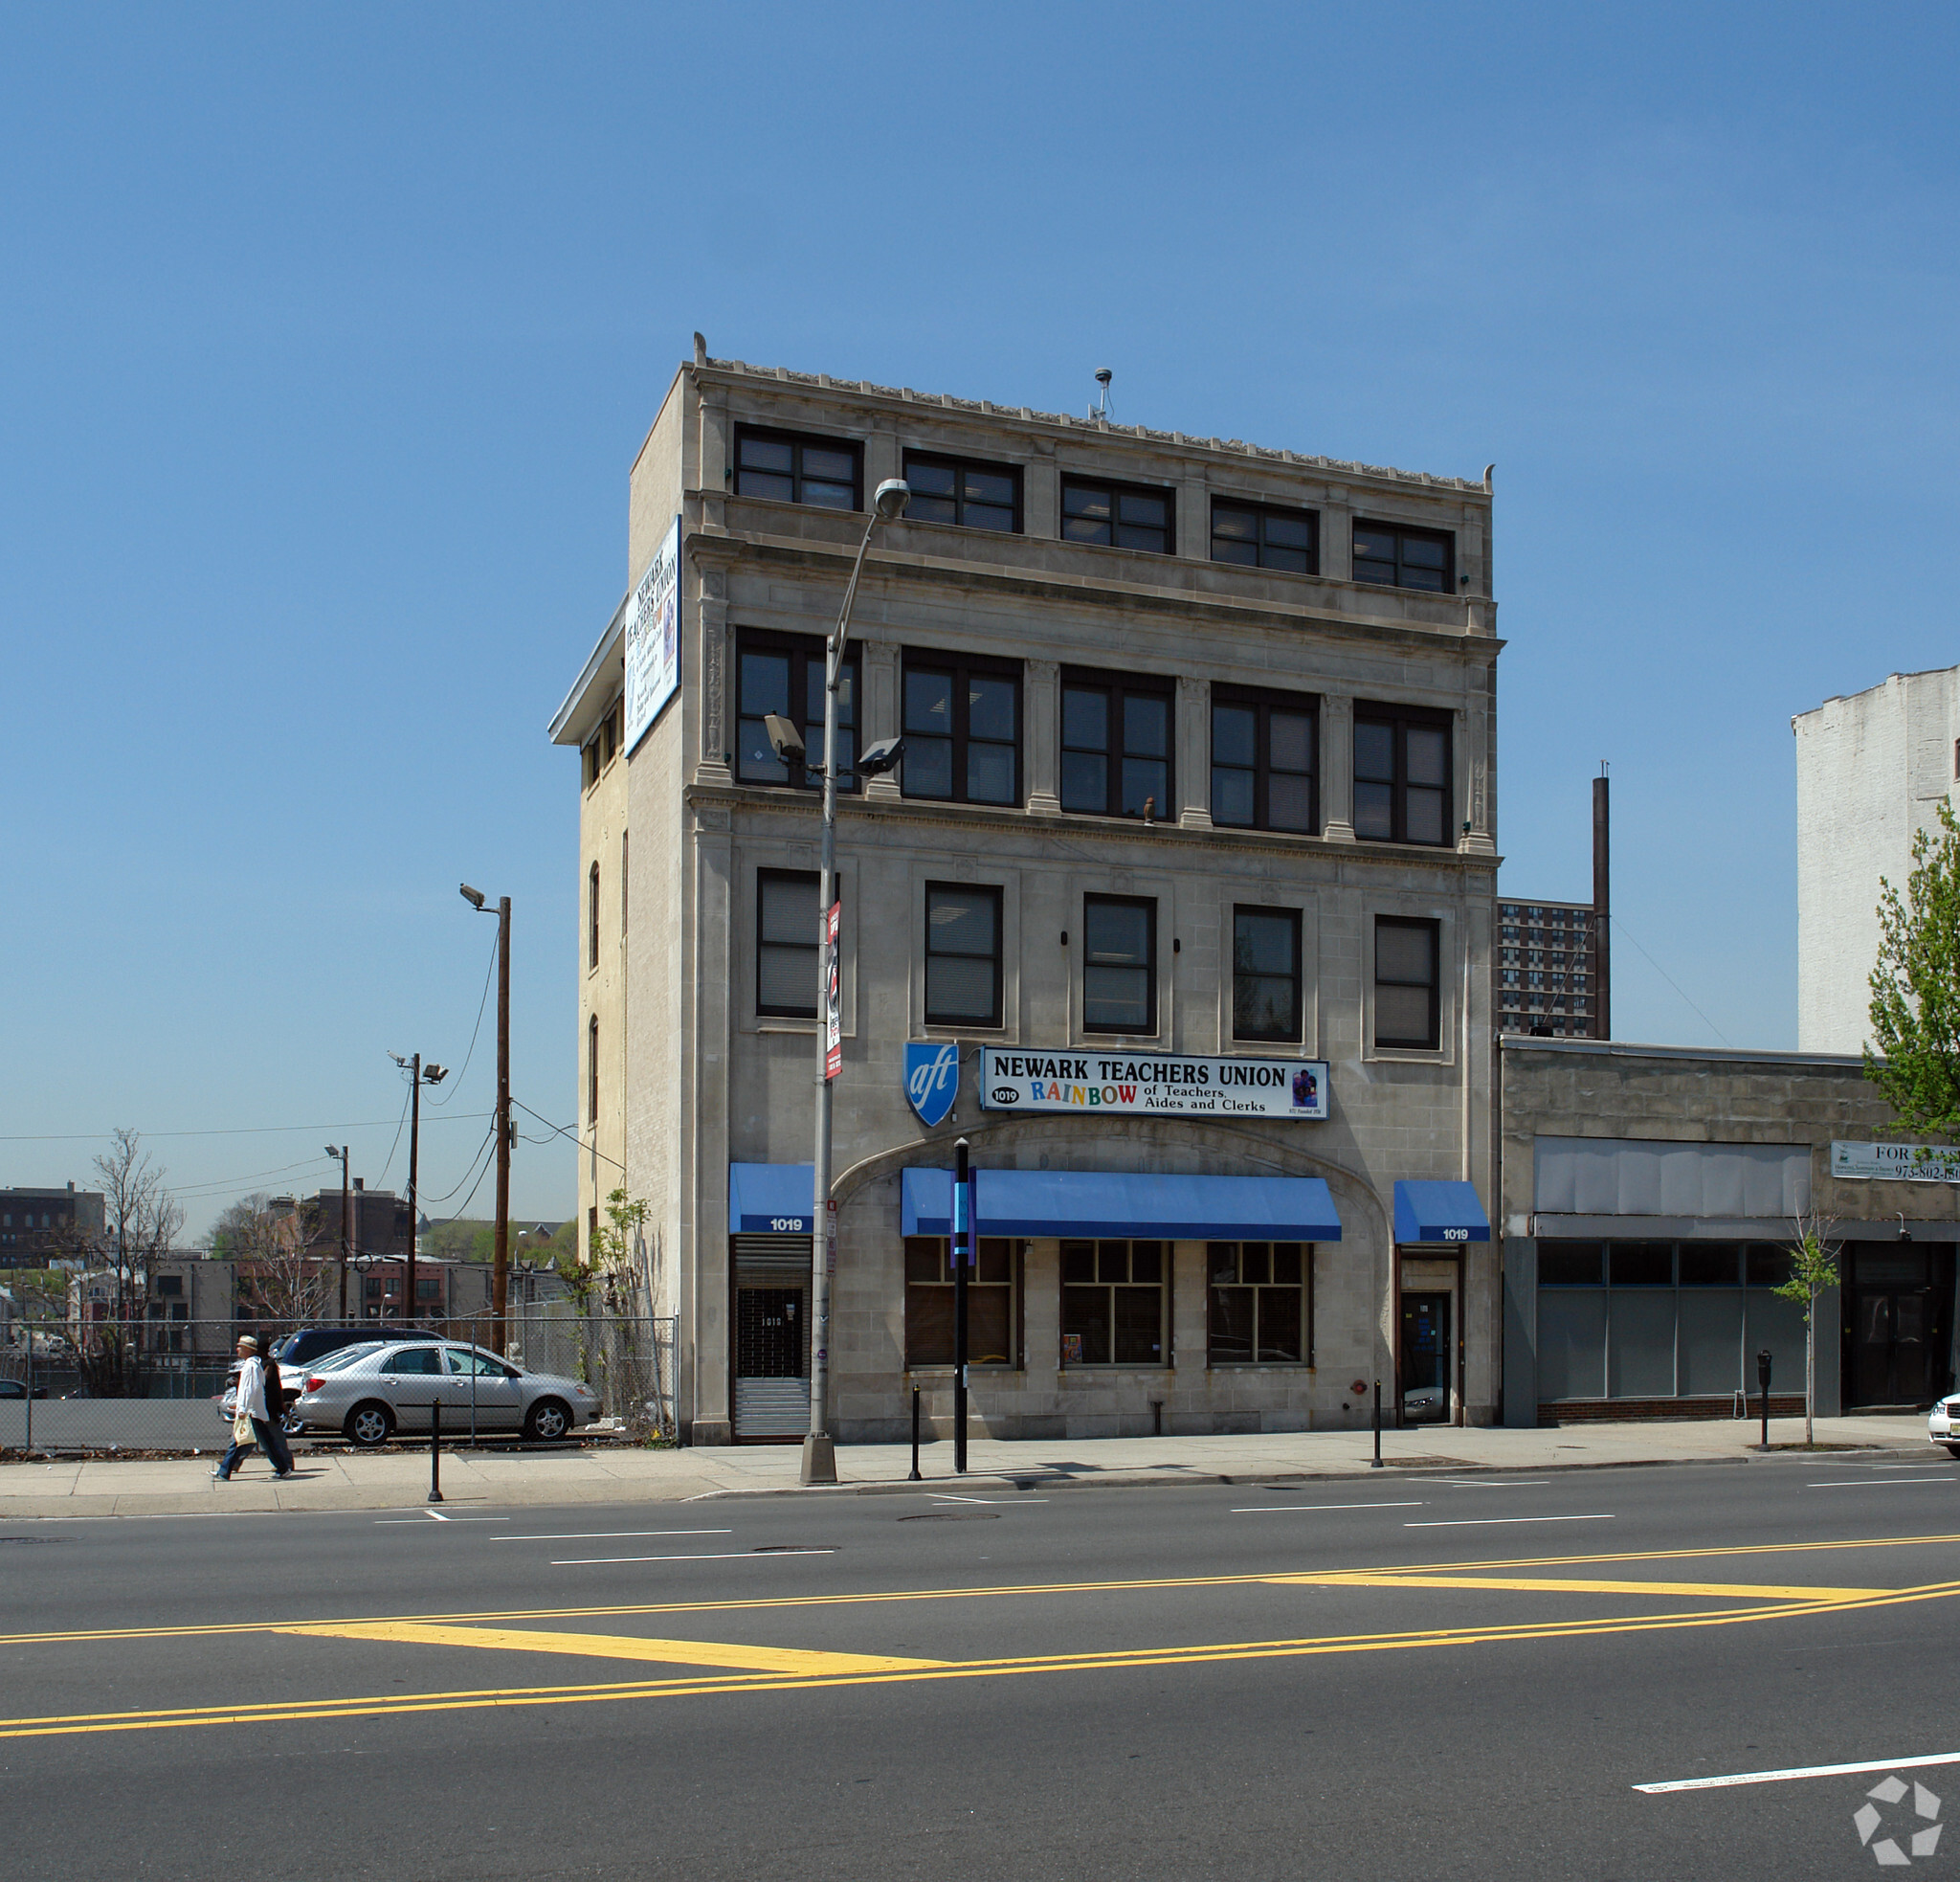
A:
{"x": 330, "y": 333}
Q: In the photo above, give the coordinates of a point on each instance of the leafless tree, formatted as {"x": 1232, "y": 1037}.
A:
{"x": 141, "y": 1223}
{"x": 281, "y": 1278}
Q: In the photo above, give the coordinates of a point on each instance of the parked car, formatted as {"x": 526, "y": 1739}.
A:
{"x": 309, "y": 1345}
{"x": 1943, "y": 1424}
{"x": 13, "y": 1388}
{"x": 374, "y": 1394}
{"x": 290, "y": 1383}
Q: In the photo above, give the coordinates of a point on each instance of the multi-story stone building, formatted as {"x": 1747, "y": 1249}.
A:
{"x": 1871, "y": 771}
{"x": 36, "y": 1224}
{"x": 1188, "y": 876}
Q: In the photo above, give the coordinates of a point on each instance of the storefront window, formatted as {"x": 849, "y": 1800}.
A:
{"x": 990, "y": 1318}
{"x": 1112, "y": 1303}
{"x": 1261, "y": 1310}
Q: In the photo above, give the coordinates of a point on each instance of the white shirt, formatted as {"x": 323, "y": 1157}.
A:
{"x": 250, "y": 1400}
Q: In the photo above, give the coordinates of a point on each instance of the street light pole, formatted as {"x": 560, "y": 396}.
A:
{"x": 499, "y": 1267}
{"x": 820, "y": 1450}
{"x": 417, "y": 1078}
{"x": 346, "y": 1227}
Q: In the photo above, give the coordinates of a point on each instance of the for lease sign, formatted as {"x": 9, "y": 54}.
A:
{"x": 1086, "y": 1082}
{"x": 1911, "y": 1163}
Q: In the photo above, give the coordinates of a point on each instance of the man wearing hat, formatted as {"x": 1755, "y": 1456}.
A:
{"x": 250, "y": 1402}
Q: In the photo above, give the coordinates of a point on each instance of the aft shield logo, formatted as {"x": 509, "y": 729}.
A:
{"x": 932, "y": 1078}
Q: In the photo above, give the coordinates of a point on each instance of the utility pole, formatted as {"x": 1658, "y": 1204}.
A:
{"x": 962, "y": 1245}
{"x": 500, "y": 1271}
{"x": 414, "y": 1135}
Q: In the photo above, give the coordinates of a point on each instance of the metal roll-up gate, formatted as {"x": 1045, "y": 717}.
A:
{"x": 771, "y": 1336}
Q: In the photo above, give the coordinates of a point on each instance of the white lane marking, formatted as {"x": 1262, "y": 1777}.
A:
{"x": 1867, "y": 1483}
{"x": 1486, "y": 1483}
{"x": 941, "y": 1496}
{"x": 1485, "y": 1522}
{"x": 609, "y": 1535}
{"x": 734, "y": 1556}
{"x": 1803, "y": 1771}
{"x": 1287, "y": 1509}
{"x": 386, "y": 1522}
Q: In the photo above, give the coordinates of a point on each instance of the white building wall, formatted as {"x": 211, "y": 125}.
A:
{"x": 1871, "y": 770}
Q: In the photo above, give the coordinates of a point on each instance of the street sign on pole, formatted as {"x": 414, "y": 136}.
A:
{"x": 832, "y": 995}
{"x": 830, "y": 1236}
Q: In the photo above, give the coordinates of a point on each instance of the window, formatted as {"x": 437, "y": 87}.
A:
{"x": 1119, "y": 964}
{"x": 1117, "y": 515}
{"x": 784, "y": 674}
{"x": 1115, "y": 747}
{"x": 593, "y": 917}
{"x": 962, "y": 956}
{"x": 1401, "y": 775}
{"x": 1112, "y": 1303}
{"x": 786, "y": 943}
{"x": 1260, "y": 537}
{"x": 418, "y": 1360}
{"x": 963, "y": 725}
{"x": 170, "y": 1285}
{"x": 974, "y": 496}
{"x": 592, "y": 1072}
{"x": 792, "y": 469}
{"x": 990, "y": 1318}
{"x": 1265, "y": 974}
{"x": 1262, "y": 761}
{"x": 481, "y": 1365}
{"x": 1261, "y": 1303}
{"x": 1404, "y": 558}
{"x": 428, "y": 1288}
{"x": 1407, "y": 1009}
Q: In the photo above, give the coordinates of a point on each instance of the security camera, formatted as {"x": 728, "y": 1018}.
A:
{"x": 784, "y": 737}
{"x": 880, "y": 757}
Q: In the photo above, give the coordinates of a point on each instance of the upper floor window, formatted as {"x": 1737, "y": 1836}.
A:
{"x": 1260, "y": 537}
{"x": 784, "y": 674}
{"x": 1408, "y": 994}
{"x": 1396, "y": 557}
{"x": 592, "y": 1070}
{"x": 1401, "y": 775}
{"x": 1121, "y": 515}
{"x": 963, "y": 725}
{"x": 1262, "y": 761}
{"x": 1265, "y": 974}
{"x": 1119, "y": 964}
{"x": 1116, "y": 746}
{"x": 786, "y": 943}
{"x": 962, "y": 956}
{"x": 604, "y": 745}
{"x": 793, "y": 469}
{"x": 593, "y": 916}
{"x": 953, "y": 490}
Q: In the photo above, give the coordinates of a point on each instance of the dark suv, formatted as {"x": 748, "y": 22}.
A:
{"x": 310, "y": 1344}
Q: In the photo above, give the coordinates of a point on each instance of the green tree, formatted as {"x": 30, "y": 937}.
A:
{"x": 1915, "y": 1009}
{"x": 1812, "y": 1269}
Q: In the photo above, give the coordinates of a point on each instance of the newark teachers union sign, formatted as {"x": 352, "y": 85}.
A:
{"x": 1911, "y": 1163}
{"x": 1085, "y": 1082}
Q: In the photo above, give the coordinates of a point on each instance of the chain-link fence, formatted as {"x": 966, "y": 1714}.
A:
{"x": 148, "y": 1387}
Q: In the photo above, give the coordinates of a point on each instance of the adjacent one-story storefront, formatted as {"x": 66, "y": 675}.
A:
{"x": 1649, "y": 1199}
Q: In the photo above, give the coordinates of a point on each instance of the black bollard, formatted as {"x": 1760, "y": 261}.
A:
{"x": 914, "y": 1477}
{"x": 1377, "y": 1464}
{"x": 1762, "y": 1379}
{"x": 435, "y": 1451}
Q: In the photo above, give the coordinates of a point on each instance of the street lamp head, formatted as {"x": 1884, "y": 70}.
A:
{"x": 891, "y": 498}
{"x": 434, "y": 1074}
{"x": 332, "y": 1152}
{"x": 784, "y": 737}
{"x": 473, "y": 896}
{"x": 881, "y": 756}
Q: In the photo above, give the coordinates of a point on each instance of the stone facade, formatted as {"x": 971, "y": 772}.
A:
{"x": 703, "y": 1078}
{"x": 1553, "y": 1091}
{"x": 1871, "y": 770}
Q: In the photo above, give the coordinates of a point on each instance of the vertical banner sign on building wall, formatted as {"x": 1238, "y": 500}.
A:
{"x": 652, "y": 642}
{"x": 829, "y": 1234}
{"x": 833, "y": 994}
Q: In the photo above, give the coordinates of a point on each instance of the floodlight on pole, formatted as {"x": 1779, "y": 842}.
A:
{"x": 500, "y": 1265}
{"x": 820, "y": 1450}
{"x": 473, "y": 896}
{"x": 785, "y": 740}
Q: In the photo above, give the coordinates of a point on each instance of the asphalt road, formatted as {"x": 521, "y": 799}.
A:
{"x": 1418, "y": 1676}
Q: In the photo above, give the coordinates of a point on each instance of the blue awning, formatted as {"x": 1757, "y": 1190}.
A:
{"x": 1440, "y": 1212}
{"x": 1072, "y": 1202}
{"x": 770, "y": 1199}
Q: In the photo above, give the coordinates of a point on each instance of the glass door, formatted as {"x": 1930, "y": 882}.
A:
{"x": 1427, "y": 1359}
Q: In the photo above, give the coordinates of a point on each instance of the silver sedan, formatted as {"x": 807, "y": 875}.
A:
{"x": 380, "y": 1390}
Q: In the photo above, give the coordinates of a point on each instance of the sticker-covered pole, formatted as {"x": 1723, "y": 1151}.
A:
{"x": 962, "y": 1260}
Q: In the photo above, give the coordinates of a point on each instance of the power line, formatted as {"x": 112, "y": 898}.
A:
{"x": 237, "y": 1130}
{"x": 489, "y": 974}
{"x": 1672, "y": 982}
{"x": 573, "y": 1136}
{"x": 489, "y": 1138}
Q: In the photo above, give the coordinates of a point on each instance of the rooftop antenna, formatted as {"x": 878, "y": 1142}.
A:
{"x": 1100, "y": 410}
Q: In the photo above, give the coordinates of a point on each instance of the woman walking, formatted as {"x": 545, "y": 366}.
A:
{"x": 251, "y": 1424}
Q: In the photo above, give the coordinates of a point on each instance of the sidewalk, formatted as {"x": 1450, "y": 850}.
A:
{"x": 339, "y": 1480}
